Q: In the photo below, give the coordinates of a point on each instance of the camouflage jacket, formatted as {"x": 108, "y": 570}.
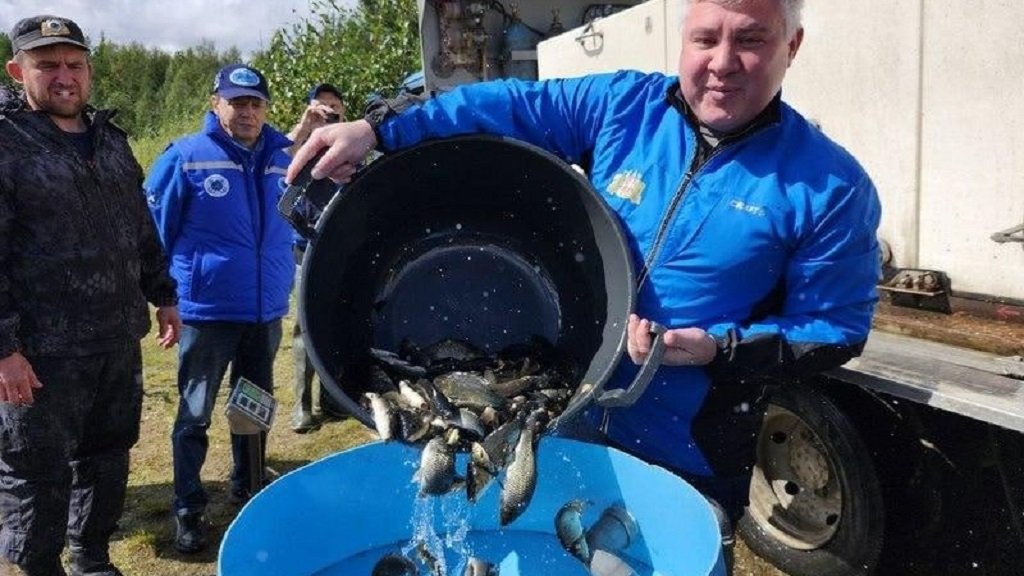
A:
{"x": 79, "y": 253}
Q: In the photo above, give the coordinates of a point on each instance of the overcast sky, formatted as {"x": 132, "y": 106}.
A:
{"x": 168, "y": 24}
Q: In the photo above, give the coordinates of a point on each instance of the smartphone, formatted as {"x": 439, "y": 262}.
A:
{"x": 332, "y": 117}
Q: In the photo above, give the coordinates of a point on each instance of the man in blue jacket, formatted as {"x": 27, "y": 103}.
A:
{"x": 753, "y": 234}
{"x": 214, "y": 195}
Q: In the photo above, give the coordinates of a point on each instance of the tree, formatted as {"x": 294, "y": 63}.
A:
{"x": 363, "y": 49}
{"x": 5, "y": 55}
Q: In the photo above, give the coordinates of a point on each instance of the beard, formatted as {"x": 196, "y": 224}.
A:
{"x": 60, "y": 107}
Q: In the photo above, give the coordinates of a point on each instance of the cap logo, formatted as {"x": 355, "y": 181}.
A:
{"x": 244, "y": 77}
{"x": 53, "y": 27}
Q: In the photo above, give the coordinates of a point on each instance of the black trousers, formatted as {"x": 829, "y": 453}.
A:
{"x": 64, "y": 460}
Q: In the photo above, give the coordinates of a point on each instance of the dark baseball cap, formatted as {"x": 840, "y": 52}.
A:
{"x": 237, "y": 80}
{"x": 325, "y": 87}
{"x": 44, "y": 30}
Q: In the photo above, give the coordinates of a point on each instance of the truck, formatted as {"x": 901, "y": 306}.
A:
{"x": 918, "y": 444}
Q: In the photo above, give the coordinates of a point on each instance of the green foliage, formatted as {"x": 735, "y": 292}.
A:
{"x": 365, "y": 49}
{"x": 148, "y": 147}
{"x": 151, "y": 89}
{"x": 5, "y": 55}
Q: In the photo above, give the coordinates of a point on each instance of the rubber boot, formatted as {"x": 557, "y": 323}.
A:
{"x": 302, "y": 416}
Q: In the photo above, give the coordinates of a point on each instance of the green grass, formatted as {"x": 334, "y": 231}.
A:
{"x": 144, "y": 543}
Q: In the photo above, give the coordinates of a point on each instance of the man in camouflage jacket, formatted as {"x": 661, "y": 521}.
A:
{"x": 79, "y": 259}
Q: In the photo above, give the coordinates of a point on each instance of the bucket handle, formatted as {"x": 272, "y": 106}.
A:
{"x": 622, "y": 397}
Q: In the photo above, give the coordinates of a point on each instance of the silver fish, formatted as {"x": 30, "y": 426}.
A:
{"x": 394, "y": 565}
{"x": 428, "y": 558}
{"x": 383, "y": 415}
{"x": 478, "y": 567}
{"x": 436, "y": 474}
{"x": 392, "y": 363}
{"x": 570, "y": 531}
{"x": 452, "y": 349}
{"x": 604, "y": 563}
{"x": 412, "y": 397}
{"x": 480, "y": 472}
{"x": 438, "y": 402}
{"x": 413, "y": 425}
{"x": 520, "y": 479}
{"x": 468, "y": 390}
{"x": 516, "y": 386}
{"x": 489, "y": 457}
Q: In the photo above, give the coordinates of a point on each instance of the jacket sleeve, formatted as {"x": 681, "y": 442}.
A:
{"x": 155, "y": 278}
{"x": 562, "y": 116}
{"x": 9, "y": 319}
{"x": 821, "y": 313}
{"x": 166, "y": 190}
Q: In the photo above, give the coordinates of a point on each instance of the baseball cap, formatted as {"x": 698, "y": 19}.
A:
{"x": 44, "y": 30}
{"x": 325, "y": 87}
{"x": 237, "y": 80}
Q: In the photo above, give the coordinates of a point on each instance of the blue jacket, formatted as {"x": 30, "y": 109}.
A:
{"x": 769, "y": 244}
{"x": 215, "y": 205}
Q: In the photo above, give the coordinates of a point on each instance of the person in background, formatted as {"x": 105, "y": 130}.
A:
{"x": 753, "y": 234}
{"x": 325, "y": 107}
{"x": 213, "y": 196}
{"x": 79, "y": 259}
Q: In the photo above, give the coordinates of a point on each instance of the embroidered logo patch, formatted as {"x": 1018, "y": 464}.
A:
{"x": 216, "y": 186}
{"x": 627, "y": 185}
{"x": 244, "y": 77}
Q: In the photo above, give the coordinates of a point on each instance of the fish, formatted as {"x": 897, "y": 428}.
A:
{"x": 394, "y": 565}
{"x": 468, "y": 390}
{"x": 383, "y": 415}
{"x": 520, "y": 479}
{"x": 604, "y": 563}
{"x": 478, "y": 567}
{"x": 489, "y": 457}
{"x": 436, "y": 473}
{"x": 453, "y": 349}
{"x": 393, "y": 364}
{"x": 516, "y": 386}
{"x": 570, "y": 531}
{"x": 470, "y": 424}
{"x": 413, "y": 426}
{"x": 438, "y": 402}
{"x": 411, "y": 397}
{"x": 428, "y": 559}
{"x": 379, "y": 381}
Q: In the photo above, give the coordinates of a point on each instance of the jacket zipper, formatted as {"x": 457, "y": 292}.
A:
{"x": 695, "y": 166}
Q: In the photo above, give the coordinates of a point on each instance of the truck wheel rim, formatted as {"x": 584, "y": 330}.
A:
{"x": 795, "y": 494}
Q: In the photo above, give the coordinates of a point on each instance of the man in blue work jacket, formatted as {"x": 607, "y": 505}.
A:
{"x": 753, "y": 233}
{"x": 214, "y": 197}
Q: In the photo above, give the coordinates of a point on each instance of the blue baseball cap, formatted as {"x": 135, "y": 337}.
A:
{"x": 237, "y": 80}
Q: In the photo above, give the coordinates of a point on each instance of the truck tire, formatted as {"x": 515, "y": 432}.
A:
{"x": 1009, "y": 448}
{"x": 816, "y": 503}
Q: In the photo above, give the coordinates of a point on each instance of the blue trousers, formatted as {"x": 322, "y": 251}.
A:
{"x": 205, "y": 351}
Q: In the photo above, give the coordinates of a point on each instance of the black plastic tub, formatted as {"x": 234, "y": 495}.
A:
{"x": 484, "y": 239}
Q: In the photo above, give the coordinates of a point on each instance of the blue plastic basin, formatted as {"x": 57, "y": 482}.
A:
{"x": 341, "y": 514}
